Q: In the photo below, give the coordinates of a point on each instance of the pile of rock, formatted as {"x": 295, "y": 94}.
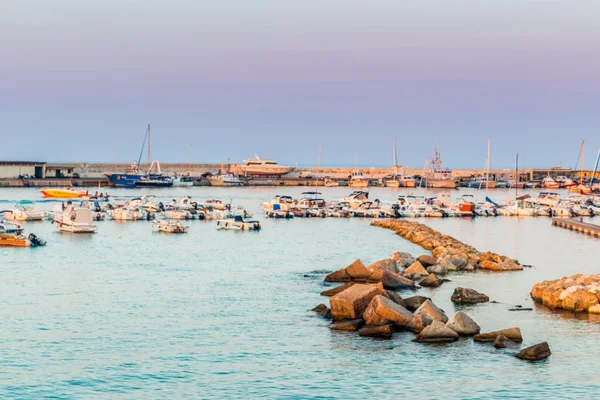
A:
{"x": 373, "y": 311}
{"x": 450, "y": 254}
{"x": 578, "y": 293}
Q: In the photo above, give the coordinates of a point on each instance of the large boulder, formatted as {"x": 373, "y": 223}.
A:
{"x": 427, "y": 260}
{"x": 338, "y": 276}
{"x": 384, "y": 265}
{"x": 431, "y": 312}
{"x": 403, "y": 260}
{"x": 468, "y": 296}
{"x": 395, "y": 281}
{"x": 438, "y": 269}
{"x": 347, "y": 325}
{"x": 459, "y": 261}
{"x": 395, "y": 297}
{"x": 337, "y": 289}
{"x": 536, "y": 352}
{"x": 419, "y": 323}
{"x": 414, "y": 302}
{"x": 462, "y": 324}
{"x": 382, "y": 311}
{"x": 502, "y": 342}
{"x": 357, "y": 271}
{"x": 352, "y": 302}
{"x": 437, "y": 332}
{"x": 378, "y": 331}
{"x": 579, "y": 300}
{"x": 430, "y": 281}
{"x": 415, "y": 268}
{"x": 513, "y": 334}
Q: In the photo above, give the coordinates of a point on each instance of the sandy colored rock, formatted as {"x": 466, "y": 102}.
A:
{"x": 513, "y": 334}
{"x": 427, "y": 260}
{"x": 431, "y": 312}
{"x": 394, "y": 281}
{"x": 347, "y": 325}
{"x": 403, "y": 260}
{"x": 338, "y": 276}
{"x": 536, "y": 352}
{"x": 414, "y": 302}
{"x": 337, "y": 289}
{"x": 437, "y": 269}
{"x": 578, "y": 293}
{"x": 415, "y": 268}
{"x": 357, "y": 271}
{"x": 430, "y": 281}
{"x": 468, "y": 296}
{"x": 377, "y": 331}
{"x": 462, "y": 324}
{"x": 437, "y": 332}
{"x": 594, "y": 309}
{"x": 419, "y": 323}
{"x": 388, "y": 264}
{"x": 382, "y": 310}
{"x": 352, "y": 302}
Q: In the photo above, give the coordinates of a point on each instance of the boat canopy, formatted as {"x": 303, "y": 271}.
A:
{"x": 83, "y": 216}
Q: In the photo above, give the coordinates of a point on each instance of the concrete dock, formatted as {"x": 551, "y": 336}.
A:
{"x": 575, "y": 225}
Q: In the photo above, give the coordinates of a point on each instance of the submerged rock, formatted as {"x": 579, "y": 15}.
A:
{"x": 513, "y": 334}
{"x": 431, "y": 312}
{"x": 377, "y": 331}
{"x": 437, "y": 332}
{"x": 347, "y": 325}
{"x": 462, "y": 324}
{"x": 352, "y": 302}
{"x": 502, "y": 342}
{"x": 382, "y": 310}
{"x": 468, "y": 296}
{"x": 535, "y": 352}
{"x": 337, "y": 289}
{"x": 323, "y": 311}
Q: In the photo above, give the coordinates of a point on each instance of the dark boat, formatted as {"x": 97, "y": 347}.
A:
{"x": 147, "y": 182}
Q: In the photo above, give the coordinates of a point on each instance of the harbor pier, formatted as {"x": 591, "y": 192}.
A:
{"x": 579, "y": 226}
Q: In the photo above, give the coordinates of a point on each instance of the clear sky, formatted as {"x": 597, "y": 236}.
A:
{"x": 79, "y": 79}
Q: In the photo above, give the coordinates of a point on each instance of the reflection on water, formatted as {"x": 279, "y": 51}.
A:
{"x": 216, "y": 314}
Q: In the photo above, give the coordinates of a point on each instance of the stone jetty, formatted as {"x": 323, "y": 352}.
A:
{"x": 578, "y": 293}
{"x": 450, "y": 254}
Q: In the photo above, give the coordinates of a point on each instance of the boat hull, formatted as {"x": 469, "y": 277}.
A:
{"x": 359, "y": 184}
{"x": 124, "y": 180}
{"x": 153, "y": 184}
{"x": 267, "y": 171}
{"x": 441, "y": 183}
{"x": 223, "y": 183}
{"x": 13, "y": 241}
{"x": 62, "y": 194}
{"x": 392, "y": 184}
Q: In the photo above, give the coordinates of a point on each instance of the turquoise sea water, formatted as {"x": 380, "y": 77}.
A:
{"x": 131, "y": 313}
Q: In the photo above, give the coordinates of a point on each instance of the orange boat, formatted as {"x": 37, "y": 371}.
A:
{"x": 63, "y": 193}
{"x": 14, "y": 241}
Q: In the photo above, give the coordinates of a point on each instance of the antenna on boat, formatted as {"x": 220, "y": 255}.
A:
{"x": 487, "y": 172}
{"x": 516, "y": 176}
{"x": 318, "y": 167}
{"x": 142, "y": 149}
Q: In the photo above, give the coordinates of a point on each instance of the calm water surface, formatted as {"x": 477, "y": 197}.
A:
{"x": 132, "y": 313}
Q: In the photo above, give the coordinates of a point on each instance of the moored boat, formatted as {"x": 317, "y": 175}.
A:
{"x": 169, "y": 226}
{"x": 75, "y": 220}
{"x": 357, "y": 179}
{"x": 238, "y": 224}
{"x": 64, "y": 193}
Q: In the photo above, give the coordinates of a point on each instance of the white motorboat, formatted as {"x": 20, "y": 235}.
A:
{"x": 75, "y": 220}
{"x": 358, "y": 180}
{"x": 549, "y": 183}
{"x": 10, "y": 227}
{"x": 356, "y": 198}
{"x": 183, "y": 180}
{"x": 328, "y": 182}
{"x": 173, "y": 213}
{"x": 546, "y": 199}
{"x": 226, "y": 179}
{"x": 24, "y": 211}
{"x": 169, "y": 226}
{"x": 285, "y": 203}
{"x": 261, "y": 167}
{"x": 238, "y": 224}
{"x": 121, "y": 213}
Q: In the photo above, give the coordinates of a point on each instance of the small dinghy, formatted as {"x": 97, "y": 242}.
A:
{"x": 169, "y": 226}
{"x": 18, "y": 240}
{"x": 238, "y": 224}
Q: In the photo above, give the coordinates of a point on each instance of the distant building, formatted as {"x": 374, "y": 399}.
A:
{"x": 16, "y": 169}
{"x": 59, "y": 171}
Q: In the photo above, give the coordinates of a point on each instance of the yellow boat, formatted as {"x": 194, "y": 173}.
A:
{"x": 14, "y": 241}
{"x": 63, "y": 193}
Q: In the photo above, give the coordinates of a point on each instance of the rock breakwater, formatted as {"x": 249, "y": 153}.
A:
{"x": 578, "y": 293}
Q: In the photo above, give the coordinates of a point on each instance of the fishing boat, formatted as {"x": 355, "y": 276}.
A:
{"x": 238, "y": 224}
{"x": 75, "y": 220}
{"x": 63, "y": 193}
{"x": 357, "y": 179}
{"x": 407, "y": 181}
{"x": 182, "y": 180}
{"x": 438, "y": 175}
{"x": 24, "y": 211}
{"x": 226, "y": 179}
{"x": 261, "y": 167}
{"x": 169, "y": 226}
{"x": 153, "y": 182}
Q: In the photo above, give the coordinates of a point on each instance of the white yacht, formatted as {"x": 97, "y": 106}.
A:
{"x": 75, "y": 220}
{"x": 258, "y": 166}
{"x": 24, "y": 211}
{"x": 226, "y": 179}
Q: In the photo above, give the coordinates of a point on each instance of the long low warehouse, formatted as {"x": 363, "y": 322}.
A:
{"x": 16, "y": 169}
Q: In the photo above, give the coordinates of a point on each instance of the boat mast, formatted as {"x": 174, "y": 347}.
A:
{"x": 516, "y": 176}
{"x": 582, "y": 162}
{"x": 595, "y": 169}
{"x": 149, "y": 159}
{"x": 318, "y": 167}
{"x": 394, "y": 156}
{"x": 487, "y": 172}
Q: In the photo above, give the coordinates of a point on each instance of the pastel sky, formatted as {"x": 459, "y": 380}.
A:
{"x": 79, "y": 79}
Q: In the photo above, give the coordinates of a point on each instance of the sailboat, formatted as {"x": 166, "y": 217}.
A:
{"x": 581, "y": 187}
{"x": 393, "y": 180}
